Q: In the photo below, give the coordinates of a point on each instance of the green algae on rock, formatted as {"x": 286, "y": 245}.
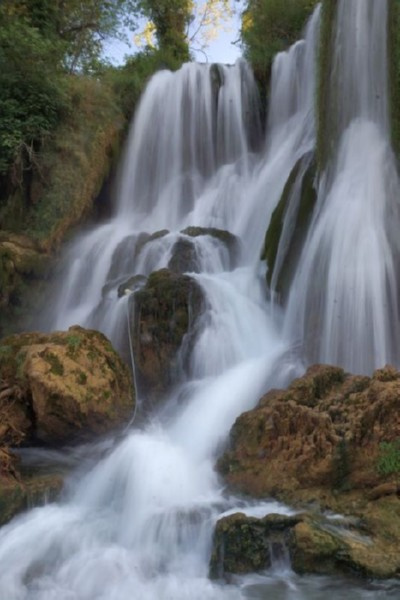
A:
{"x": 72, "y": 384}
{"x": 163, "y": 313}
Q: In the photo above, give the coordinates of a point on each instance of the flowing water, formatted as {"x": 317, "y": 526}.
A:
{"x": 138, "y": 523}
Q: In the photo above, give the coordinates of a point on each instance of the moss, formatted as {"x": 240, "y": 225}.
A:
{"x": 325, "y": 116}
{"x": 74, "y": 342}
{"x": 81, "y": 377}
{"x": 341, "y": 467}
{"x": 54, "y": 362}
{"x": 308, "y": 197}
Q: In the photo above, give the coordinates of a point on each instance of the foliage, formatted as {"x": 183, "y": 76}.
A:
{"x": 201, "y": 23}
{"x": 170, "y": 19}
{"x": 31, "y": 92}
{"x": 388, "y": 461}
{"x": 271, "y": 26}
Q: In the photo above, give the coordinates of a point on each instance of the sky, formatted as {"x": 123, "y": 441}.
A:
{"x": 221, "y": 50}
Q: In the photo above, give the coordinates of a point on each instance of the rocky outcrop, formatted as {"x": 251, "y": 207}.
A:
{"x": 164, "y": 314}
{"x": 288, "y": 226}
{"x": 55, "y": 388}
{"x": 18, "y": 491}
{"x": 62, "y": 387}
{"x": 22, "y": 264}
{"x": 244, "y": 544}
{"x": 313, "y": 543}
{"x": 331, "y": 440}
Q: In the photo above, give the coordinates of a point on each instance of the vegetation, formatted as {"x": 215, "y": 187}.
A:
{"x": 270, "y": 26}
{"x": 389, "y": 458}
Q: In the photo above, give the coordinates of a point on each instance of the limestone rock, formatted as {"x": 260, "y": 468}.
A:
{"x": 242, "y": 544}
{"x": 64, "y": 386}
{"x": 330, "y": 441}
{"x": 324, "y": 430}
{"x": 164, "y": 315}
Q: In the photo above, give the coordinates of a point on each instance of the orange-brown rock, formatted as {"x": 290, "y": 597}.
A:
{"x": 60, "y": 387}
{"x": 325, "y": 430}
{"x": 330, "y": 441}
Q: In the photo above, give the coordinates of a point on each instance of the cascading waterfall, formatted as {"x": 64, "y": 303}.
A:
{"x": 343, "y": 306}
{"x": 139, "y": 523}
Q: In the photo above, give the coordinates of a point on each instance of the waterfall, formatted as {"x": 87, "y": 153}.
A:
{"x": 139, "y": 523}
{"x": 343, "y": 307}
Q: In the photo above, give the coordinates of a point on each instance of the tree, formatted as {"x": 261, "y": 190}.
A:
{"x": 270, "y": 26}
{"x": 186, "y": 23}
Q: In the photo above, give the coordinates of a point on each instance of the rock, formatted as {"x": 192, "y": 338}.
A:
{"x": 20, "y": 258}
{"x": 184, "y": 257}
{"x": 64, "y": 386}
{"x": 288, "y": 226}
{"x": 324, "y": 430}
{"x": 18, "y": 492}
{"x": 229, "y": 241}
{"x": 133, "y": 284}
{"x": 242, "y": 544}
{"x": 314, "y": 544}
{"x": 163, "y": 317}
{"x": 331, "y": 441}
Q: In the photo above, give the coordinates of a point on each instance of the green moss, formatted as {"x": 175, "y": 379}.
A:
{"x": 388, "y": 462}
{"x": 307, "y": 202}
{"x": 57, "y": 367}
{"x": 81, "y": 377}
{"x": 325, "y": 116}
{"x": 74, "y": 342}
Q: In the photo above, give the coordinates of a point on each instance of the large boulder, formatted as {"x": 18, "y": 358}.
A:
{"x": 62, "y": 387}
{"x": 163, "y": 317}
{"x": 243, "y": 544}
{"x": 326, "y": 429}
{"x": 314, "y": 543}
{"x": 330, "y": 441}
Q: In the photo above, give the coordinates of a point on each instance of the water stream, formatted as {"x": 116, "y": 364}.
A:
{"x": 138, "y": 523}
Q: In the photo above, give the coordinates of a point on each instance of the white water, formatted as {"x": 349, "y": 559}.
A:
{"x": 138, "y": 525}
{"x": 343, "y": 306}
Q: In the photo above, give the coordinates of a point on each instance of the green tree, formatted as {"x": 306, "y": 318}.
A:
{"x": 270, "y": 26}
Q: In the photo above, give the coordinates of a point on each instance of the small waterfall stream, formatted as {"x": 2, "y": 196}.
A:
{"x": 138, "y": 525}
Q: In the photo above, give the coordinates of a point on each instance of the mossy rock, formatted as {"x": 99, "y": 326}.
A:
{"x": 325, "y": 432}
{"x": 302, "y": 180}
{"x": 242, "y": 544}
{"x": 184, "y": 257}
{"x": 68, "y": 385}
{"x": 163, "y": 314}
{"x": 133, "y": 284}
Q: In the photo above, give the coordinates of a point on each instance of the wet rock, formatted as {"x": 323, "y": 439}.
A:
{"x": 184, "y": 257}
{"x": 324, "y": 430}
{"x": 163, "y": 318}
{"x": 230, "y": 241}
{"x": 288, "y": 226}
{"x": 19, "y": 492}
{"x": 63, "y": 386}
{"x": 133, "y": 284}
{"x": 331, "y": 441}
{"x": 242, "y": 544}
